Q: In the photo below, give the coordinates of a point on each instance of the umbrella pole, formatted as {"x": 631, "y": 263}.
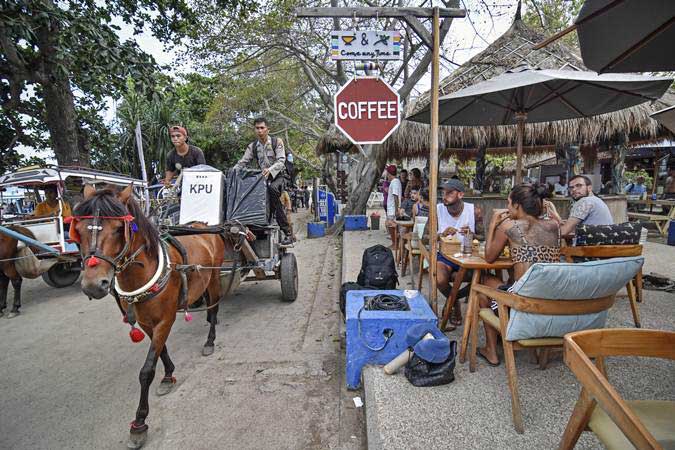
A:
{"x": 433, "y": 163}
{"x": 520, "y": 130}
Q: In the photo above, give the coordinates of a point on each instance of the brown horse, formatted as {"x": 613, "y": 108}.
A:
{"x": 8, "y": 272}
{"x": 123, "y": 254}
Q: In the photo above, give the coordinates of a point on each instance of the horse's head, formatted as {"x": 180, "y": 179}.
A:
{"x": 105, "y": 224}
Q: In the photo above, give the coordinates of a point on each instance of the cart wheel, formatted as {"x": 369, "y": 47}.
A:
{"x": 61, "y": 275}
{"x": 289, "y": 277}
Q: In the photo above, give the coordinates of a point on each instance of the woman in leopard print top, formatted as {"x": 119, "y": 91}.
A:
{"x": 531, "y": 238}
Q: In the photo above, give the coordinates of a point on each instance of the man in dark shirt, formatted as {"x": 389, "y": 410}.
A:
{"x": 183, "y": 155}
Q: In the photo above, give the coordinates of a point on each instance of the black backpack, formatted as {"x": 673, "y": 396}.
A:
{"x": 378, "y": 269}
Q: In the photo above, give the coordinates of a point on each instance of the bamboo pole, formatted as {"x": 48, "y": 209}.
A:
{"x": 520, "y": 119}
{"x": 433, "y": 162}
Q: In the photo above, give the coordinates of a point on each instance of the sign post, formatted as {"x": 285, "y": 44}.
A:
{"x": 367, "y": 110}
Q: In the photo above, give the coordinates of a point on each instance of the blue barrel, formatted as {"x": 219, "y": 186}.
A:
{"x": 316, "y": 229}
{"x": 671, "y": 233}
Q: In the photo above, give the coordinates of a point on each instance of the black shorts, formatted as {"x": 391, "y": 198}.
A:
{"x": 493, "y": 304}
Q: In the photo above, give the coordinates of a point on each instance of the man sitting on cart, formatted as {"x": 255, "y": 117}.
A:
{"x": 183, "y": 155}
{"x": 270, "y": 155}
{"x": 50, "y": 206}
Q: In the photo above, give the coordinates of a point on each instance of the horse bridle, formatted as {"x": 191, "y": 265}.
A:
{"x": 94, "y": 255}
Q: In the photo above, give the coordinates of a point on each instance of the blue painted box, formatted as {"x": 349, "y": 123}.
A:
{"x": 372, "y": 327}
{"x": 354, "y": 223}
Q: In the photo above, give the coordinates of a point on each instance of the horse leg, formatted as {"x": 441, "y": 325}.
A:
{"x": 16, "y": 284}
{"x": 212, "y": 314}
{"x": 169, "y": 381}
{"x": 139, "y": 429}
{"x": 4, "y": 284}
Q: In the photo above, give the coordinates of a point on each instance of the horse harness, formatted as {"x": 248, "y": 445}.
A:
{"x": 120, "y": 262}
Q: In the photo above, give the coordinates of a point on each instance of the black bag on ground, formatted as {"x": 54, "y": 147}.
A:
{"x": 346, "y": 287}
{"x": 422, "y": 373}
{"x": 378, "y": 269}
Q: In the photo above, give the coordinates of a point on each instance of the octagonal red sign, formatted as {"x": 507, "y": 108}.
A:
{"x": 367, "y": 110}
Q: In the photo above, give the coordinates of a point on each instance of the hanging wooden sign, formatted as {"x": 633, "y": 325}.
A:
{"x": 365, "y": 45}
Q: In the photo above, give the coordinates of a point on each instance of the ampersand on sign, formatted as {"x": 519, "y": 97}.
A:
{"x": 364, "y": 39}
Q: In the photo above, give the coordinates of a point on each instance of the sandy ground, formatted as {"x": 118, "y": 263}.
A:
{"x": 69, "y": 373}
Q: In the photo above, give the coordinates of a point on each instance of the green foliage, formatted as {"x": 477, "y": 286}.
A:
{"x": 552, "y": 16}
{"x": 631, "y": 177}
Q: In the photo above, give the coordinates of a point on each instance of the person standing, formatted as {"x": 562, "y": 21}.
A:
{"x": 183, "y": 155}
{"x": 270, "y": 155}
{"x": 415, "y": 182}
{"x": 404, "y": 181}
{"x": 306, "y": 194}
{"x": 393, "y": 202}
{"x": 587, "y": 208}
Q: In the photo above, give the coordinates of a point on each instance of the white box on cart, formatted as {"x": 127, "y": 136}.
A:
{"x": 202, "y": 195}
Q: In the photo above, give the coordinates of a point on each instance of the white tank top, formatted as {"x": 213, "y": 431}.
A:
{"x": 467, "y": 217}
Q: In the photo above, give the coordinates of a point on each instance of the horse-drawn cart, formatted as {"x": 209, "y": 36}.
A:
{"x": 242, "y": 211}
{"x": 58, "y": 255}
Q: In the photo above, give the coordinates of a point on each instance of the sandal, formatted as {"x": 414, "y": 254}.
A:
{"x": 482, "y": 356}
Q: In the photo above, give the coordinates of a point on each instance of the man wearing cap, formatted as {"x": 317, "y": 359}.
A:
{"x": 183, "y": 155}
{"x": 455, "y": 217}
{"x": 393, "y": 202}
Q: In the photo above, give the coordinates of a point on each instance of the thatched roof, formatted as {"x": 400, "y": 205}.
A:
{"x": 513, "y": 48}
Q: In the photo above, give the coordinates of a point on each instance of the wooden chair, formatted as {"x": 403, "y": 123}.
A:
{"x": 619, "y": 424}
{"x": 506, "y": 300}
{"x": 412, "y": 245}
{"x": 634, "y": 287}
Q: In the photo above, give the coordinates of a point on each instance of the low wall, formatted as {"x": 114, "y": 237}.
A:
{"x": 616, "y": 204}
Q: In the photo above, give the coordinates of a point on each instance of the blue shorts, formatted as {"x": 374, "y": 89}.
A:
{"x": 442, "y": 259}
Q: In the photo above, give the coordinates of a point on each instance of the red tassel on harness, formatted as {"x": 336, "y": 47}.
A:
{"x": 154, "y": 288}
{"x": 93, "y": 262}
{"x": 136, "y": 335}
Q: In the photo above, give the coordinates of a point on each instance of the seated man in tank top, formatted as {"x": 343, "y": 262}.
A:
{"x": 531, "y": 239}
{"x": 455, "y": 217}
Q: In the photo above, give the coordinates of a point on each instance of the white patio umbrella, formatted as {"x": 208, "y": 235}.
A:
{"x": 533, "y": 95}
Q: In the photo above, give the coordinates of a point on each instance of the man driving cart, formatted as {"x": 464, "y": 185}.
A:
{"x": 270, "y": 154}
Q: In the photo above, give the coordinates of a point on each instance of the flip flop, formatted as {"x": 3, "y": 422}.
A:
{"x": 483, "y": 357}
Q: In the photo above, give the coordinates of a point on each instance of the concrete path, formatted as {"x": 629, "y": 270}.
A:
{"x": 69, "y": 373}
{"x": 474, "y": 411}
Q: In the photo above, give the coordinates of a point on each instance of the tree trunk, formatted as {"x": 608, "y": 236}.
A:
{"x": 61, "y": 120}
{"x": 479, "y": 180}
{"x": 618, "y": 166}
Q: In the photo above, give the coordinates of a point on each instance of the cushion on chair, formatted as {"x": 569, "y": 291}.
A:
{"x": 655, "y": 415}
{"x": 490, "y": 317}
{"x": 568, "y": 281}
{"x": 616, "y": 234}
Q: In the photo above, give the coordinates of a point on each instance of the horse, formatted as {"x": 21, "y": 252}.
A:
{"x": 124, "y": 254}
{"x": 8, "y": 250}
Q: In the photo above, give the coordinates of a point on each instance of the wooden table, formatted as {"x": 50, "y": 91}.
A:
{"x": 407, "y": 226}
{"x": 478, "y": 265}
{"x": 662, "y": 221}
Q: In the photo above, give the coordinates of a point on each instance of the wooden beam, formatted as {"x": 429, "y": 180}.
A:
{"x": 433, "y": 162}
{"x": 399, "y": 13}
{"x": 422, "y": 32}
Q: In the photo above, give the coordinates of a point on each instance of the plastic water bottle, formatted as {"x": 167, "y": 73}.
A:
{"x": 643, "y": 235}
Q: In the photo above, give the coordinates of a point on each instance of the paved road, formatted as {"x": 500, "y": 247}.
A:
{"x": 69, "y": 373}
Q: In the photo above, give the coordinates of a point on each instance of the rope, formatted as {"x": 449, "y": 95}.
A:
{"x": 27, "y": 256}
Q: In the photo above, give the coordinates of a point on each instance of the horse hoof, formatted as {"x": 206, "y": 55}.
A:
{"x": 137, "y": 439}
{"x": 166, "y": 386}
{"x": 207, "y": 350}
{"x": 13, "y": 314}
